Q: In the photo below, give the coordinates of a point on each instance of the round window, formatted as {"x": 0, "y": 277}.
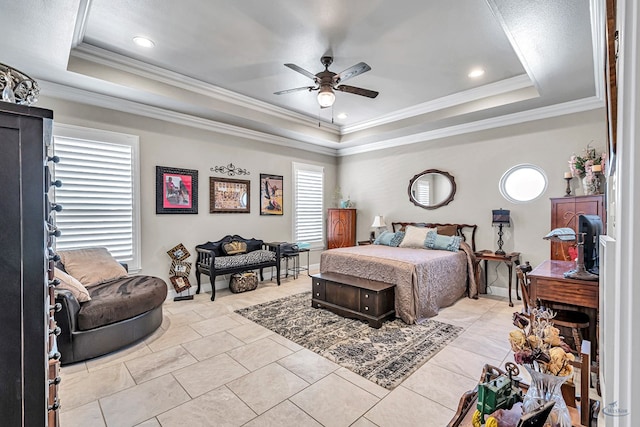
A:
{"x": 523, "y": 183}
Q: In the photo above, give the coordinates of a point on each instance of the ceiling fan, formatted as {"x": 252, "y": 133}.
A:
{"x": 327, "y": 81}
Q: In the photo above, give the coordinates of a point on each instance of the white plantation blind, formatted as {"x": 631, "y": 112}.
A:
{"x": 424, "y": 190}
{"x": 308, "y": 204}
{"x": 99, "y": 194}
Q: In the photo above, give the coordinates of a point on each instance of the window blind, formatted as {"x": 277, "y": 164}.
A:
{"x": 308, "y": 204}
{"x": 98, "y": 197}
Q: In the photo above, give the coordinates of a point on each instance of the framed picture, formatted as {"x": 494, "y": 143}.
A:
{"x": 180, "y": 268}
{"x": 228, "y": 195}
{"x": 176, "y": 191}
{"x": 180, "y": 283}
{"x": 271, "y": 194}
{"x": 178, "y": 252}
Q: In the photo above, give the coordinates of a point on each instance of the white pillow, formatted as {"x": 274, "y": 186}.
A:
{"x": 415, "y": 236}
{"x": 72, "y": 284}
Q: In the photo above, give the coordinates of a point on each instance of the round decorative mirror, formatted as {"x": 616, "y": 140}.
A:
{"x": 432, "y": 189}
{"x": 523, "y": 183}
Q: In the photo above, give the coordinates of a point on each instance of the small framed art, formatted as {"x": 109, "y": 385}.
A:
{"x": 176, "y": 191}
{"x": 271, "y": 194}
{"x": 180, "y": 283}
{"x": 178, "y": 252}
{"x": 180, "y": 268}
{"x": 228, "y": 195}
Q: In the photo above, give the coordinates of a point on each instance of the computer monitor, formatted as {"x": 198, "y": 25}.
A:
{"x": 591, "y": 226}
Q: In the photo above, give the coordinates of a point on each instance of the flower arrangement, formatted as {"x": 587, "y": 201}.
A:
{"x": 538, "y": 343}
{"x": 580, "y": 166}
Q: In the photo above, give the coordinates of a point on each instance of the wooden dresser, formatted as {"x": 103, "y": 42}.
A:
{"x": 565, "y": 212}
{"x": 30, "y": 360}
{"x": 341, "y": 228}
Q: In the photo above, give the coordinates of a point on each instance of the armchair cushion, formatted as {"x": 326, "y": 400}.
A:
{"x": 91, "y": 266}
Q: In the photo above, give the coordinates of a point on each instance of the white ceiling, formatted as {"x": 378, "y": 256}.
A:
{"x": 216, "y": 64}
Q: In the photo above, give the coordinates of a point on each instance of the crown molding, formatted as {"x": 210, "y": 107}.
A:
{"x": 570, "y": 107}
{"x": 504, "y": 86}
{"x": 119, "y": 62}
{"x": 56, "y": 90}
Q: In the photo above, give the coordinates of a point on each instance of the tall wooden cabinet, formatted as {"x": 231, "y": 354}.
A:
{"x": 28, "y": 354}
{"x": 341, "y": 228}
{"x": 565, "y": 212}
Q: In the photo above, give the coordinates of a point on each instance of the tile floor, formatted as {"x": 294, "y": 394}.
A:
{"x": 207, "y": 366}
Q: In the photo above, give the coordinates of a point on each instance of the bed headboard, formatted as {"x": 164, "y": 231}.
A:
{"x": 466, "y": 231}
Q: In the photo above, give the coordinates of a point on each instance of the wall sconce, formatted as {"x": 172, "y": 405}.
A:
{"x": 378, "y": 223}
{"x": 501, "y": 218}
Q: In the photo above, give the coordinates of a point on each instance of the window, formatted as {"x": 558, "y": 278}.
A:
{"x": 308, "y": 223}
{"x": 523, "y": 183}
{"x": 99, "y": 193}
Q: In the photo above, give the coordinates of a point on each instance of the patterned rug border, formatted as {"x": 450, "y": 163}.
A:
{"x": 386, "y": 356}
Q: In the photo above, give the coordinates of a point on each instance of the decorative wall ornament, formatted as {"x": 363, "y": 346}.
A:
{"x": 230, "y": 170}
{"x": 17, "y": 87}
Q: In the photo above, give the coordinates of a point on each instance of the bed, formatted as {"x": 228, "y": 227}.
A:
{"x": 425, "y": 279}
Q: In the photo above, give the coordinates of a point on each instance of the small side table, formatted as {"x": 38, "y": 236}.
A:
{"x": 509, "y": 259}
{"x": 364, "y": 242}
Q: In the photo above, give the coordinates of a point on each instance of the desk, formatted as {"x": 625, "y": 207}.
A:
{"x": 547, "y": 283}
{"x": 509, "y": 259}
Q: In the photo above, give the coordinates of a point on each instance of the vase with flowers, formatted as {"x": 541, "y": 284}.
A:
{"x": 583, "y": 167}
{"x": 538, "y": 346}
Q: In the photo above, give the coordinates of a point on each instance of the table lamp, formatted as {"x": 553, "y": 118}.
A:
{"x": 378, "y": 223}
{"x": 563, "y": 235}
{"x": 501, "y": 218}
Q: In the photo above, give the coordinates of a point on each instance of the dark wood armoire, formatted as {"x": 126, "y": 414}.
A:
{"x": 28, "y": 354}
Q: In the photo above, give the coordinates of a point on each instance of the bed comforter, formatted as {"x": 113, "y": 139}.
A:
{"x": 425, "y": 279}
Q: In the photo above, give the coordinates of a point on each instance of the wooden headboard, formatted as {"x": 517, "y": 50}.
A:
{"x": 466, "y": 231}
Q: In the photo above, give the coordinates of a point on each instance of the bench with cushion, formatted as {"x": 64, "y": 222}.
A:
{"x": 102, "y": 308}
{"x": 235, "y": 254}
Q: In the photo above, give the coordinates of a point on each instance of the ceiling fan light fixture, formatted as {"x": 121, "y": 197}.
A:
{"x": 326, "y": 97}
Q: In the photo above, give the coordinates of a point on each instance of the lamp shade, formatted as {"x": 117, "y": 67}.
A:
{"x": 378, "y": 221}
{"x": 561, "y": 235}
{"x": 326, "y": 97}
{"x": 501, "y": 216}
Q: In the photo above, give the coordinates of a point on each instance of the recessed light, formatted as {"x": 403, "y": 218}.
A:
{"x": 143, "y": 42}
{"x": 476, "y": 72}
{"x": 342, "y": 116}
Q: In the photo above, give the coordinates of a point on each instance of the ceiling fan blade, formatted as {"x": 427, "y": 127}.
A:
{"x": 294, "y": 67}
{"x": 357, "y": 90}
{"x": 351, "y": 72}
{"x": 282, "y": 92}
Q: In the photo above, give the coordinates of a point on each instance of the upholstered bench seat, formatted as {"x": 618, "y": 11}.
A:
{"x": 243, "y": 260}
{"x": 121, "y": 299}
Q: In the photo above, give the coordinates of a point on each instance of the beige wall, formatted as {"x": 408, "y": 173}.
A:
{"x": 378, "y": 182}
{"x": 167, "y": 144}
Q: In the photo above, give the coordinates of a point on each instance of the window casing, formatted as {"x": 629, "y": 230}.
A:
{"x": 308, "y": 208}
{"x": 100, "y": 190}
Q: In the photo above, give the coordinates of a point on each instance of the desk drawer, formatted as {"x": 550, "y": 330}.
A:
{"x": 585, "y": 295}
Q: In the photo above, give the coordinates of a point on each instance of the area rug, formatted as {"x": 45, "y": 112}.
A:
{"x": 385, "y": 356}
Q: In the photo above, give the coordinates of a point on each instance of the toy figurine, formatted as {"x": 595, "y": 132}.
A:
{"x": 498, "y": 393}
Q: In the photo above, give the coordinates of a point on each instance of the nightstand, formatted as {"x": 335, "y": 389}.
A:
{"x": 509, "y": 259}
{"x": 364, "y": 242}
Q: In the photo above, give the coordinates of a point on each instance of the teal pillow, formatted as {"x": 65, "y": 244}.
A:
{"x": 384, "y": 238}
{"x": 397, "y": 239}
{"x": 445, "y": 243}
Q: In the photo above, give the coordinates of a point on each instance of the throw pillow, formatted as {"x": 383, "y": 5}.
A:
{"x": 397, "y": 239}
{"x": 384, "y": 238}
{"x": 448, "y": 230}
{"x": 414, "y": 237}
{"x": 91, "y": 266}
{"x": 235, "y": 247}
{"x": 445, "y": 243}
{"x": 71, "y": 284}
